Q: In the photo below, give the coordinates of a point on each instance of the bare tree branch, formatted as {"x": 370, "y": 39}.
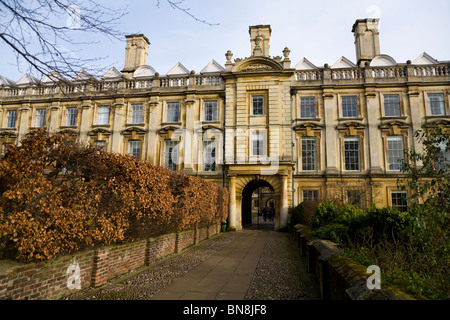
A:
{"x": 177, "y": 6}
{"x": 39, "y": 31}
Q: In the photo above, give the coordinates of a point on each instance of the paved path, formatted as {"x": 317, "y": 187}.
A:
{"x": 226, "y": 275}
{"x": 244, "y": 265}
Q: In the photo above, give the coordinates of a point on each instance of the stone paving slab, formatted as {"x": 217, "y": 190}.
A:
{"x": 224, "y": 275}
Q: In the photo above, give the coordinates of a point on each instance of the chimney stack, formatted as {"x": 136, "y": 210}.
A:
{"x": 136, "y": 52}
{"x": 367, "y": 41}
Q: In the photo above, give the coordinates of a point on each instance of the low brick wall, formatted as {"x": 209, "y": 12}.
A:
{"x": 340, "y": 278}
{"x": 65, "y": 275}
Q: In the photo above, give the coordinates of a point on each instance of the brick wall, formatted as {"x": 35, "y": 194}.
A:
{"x": 91, "y": 268}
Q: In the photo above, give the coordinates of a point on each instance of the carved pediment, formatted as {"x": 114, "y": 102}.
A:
{"x": 257, "y": 64}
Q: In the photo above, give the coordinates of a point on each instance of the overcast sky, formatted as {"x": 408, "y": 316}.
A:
{"x": 319, "y": 30}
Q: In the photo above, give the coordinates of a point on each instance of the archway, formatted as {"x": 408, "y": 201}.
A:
{"x": 258, "y": 199}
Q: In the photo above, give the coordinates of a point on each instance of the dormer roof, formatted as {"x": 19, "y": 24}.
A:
{"x": 343, "y": 62}
{"x": 7, "y": 82}
{"x": 178, "y": 69}
{"x": 144, "y": 72}
{"x": 26, "y": 80}
{"x": 212, "y": 67}
{"x": 425, "y": 58}
{"x": 382, "y": 60}
{"x": 305, "y": 64}
{"x": 112, "y": 73}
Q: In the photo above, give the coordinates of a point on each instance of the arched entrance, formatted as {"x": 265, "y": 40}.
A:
{"x": 258, "y": 205}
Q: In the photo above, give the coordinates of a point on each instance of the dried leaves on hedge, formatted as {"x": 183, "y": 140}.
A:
{"x": 58, "y": 197}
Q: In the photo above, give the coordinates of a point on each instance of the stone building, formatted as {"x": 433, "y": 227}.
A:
{"x": 298, "y": 132}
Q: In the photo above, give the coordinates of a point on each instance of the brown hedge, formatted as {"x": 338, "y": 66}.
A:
{"x": 57, "y": 197}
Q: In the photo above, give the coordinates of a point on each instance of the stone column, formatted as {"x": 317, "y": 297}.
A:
{"x": 284, "y": 200}
{"x": 119, "y": 116}
{"x": 332, "y": 157}
{"x": 54, "y": 117}
{"x": 375, "y": 139}
{"x": 232, "y": 215}
{"x": 85, "y": 120}
{"x": 22, "y": 120}
{"x": 416, "y": 119}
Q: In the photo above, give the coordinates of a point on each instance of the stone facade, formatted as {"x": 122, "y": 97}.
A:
{"x": 303, "y": 131}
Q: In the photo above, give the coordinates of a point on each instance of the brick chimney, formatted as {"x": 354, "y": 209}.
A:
{"x": 367, "y": 41}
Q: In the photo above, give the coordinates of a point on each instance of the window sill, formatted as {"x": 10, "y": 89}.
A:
{"x": 135, "y": 124}
{"x": 101, "y": 126}
{"x": 351, "y": 118}
{"x": 393, "y": 117}
{"x": 308, "y": 119}
{"x": 170, "y": 123}
{"x": 68, "y": 127}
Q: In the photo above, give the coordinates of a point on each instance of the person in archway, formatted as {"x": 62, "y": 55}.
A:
{"x": 271, "y": 212}
{"x": 265, "y": 213}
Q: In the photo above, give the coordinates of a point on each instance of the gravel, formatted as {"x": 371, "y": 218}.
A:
{"x": 280, "y": 274}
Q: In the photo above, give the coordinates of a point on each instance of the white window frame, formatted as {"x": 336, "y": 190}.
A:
{"x": 11, "y": 119}
{"x": 308, "y": 107}
{"x": 103, "y": 115}
{"x": 171, "y": 155}
{"x": 310, "y": 195}
{"x": 404, "y": 197}
{"x": 133, "y": 146}
{"x": 345, "y": 115}
{"x": 307, "y": 154}
{"x": 258, "y": 105}
{"x": 210, "y": 111}
{"x": 394, "y": 154}
{"x": 71, "y": 116}
{"x": 442, "y": 159}
{"x": 258, "y": 135}
{"x": 137, "y": 113}
{"x": 352, "y": 139}
{"x": 441, "y": 103}
{"x": 173, "y": 116}
{"x": 209, "y": 159}
{"x": 41, "y": 113}
{"x": 392, "y": 105}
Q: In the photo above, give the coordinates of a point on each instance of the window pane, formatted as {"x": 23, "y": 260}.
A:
{"x": 442, "y": 160}
{"x": 171, "y": 154}
{"x": 349, "y": 107}
{"x": 392, "y": 106}
{"x": 137, "y": 113}
{"x": 211, "y": 111}
{"x": 399, "y": 200}
{"x": 355, "y": 198}
{"x": 71, "y": 119}
{"x": 173, "y": 109}
{"x": 312, "y": 195}
{"x": 101, "y": 144}
{"x": 436, "y": 103}
{"x": 134, "y": 148}
{"x": 209, "y": 156}
{"x": 103, "y": 115}
{"x": 258, "y": 105}
{"x": 351, "y": 154}
{"x": 258, "y": 143}
{"x": 40, "y": 117}
{"x": 308, "y": 107}
{"x": 11, "y": 121}
{"x": 309, "y": 154}
{"x": 395, "y": 152}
